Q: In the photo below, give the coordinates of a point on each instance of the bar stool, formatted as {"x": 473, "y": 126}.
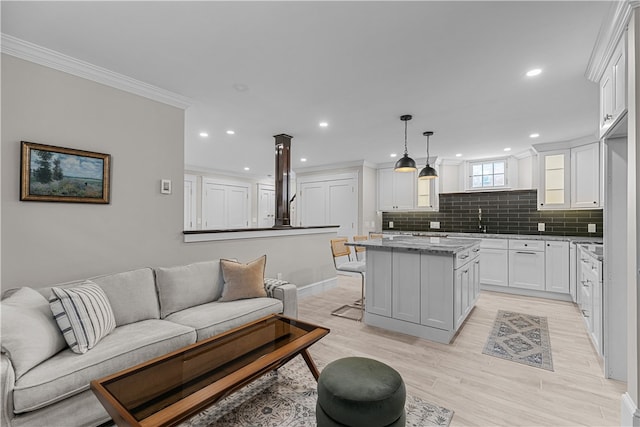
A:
{"x": 360, "y": 250}
{"x": 339, "y": 250}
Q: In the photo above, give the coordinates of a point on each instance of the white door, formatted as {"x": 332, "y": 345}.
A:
{"x": 342, "y": 206}
{"x": 237, "y": 199}
{"x": 266, "y": 207}
{"x": 189, "y": 202}
{"x": 313, "y": 204}
{"x": 331, "y": 202}
{"x": 213, "y": 206}
{"x": 224, "y": 206}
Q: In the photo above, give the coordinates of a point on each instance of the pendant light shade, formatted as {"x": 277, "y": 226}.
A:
{"x": 406, "y": 163}
{"x": 428, "y": 172}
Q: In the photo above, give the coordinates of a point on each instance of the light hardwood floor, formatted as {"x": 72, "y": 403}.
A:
{"x": 481, "y": 389}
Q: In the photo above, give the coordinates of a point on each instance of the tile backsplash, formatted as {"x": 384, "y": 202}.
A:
{"x": 503, "y": 212}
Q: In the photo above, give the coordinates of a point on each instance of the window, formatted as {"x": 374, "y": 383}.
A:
{"x": 489, "y": 174}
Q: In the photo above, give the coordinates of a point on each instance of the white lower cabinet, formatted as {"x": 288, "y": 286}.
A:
{"x": 494, "y": 258}
{"x": 405, "y": 295}
{"x": 590, "y": 301}
{"x": 464, "y": 286}
{"x": 526, "y": 264}
{"x": 421, "y": 293}
{"x": 378, "y": 282}
{"x": 556, "y": 266}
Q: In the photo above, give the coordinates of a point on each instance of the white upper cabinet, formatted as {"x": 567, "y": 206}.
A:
{"x": 585, "y": 176}
{"x": 403, "y": 191}
{"x": 554, "y": 180}
{"x": 570, "y": 178}
{"x": 613, "y": 87}
{"x": 396, "y": 190}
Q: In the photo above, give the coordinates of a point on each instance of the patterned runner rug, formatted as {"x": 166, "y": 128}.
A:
{"x": 520, "y": 338}
{"x": 287, "y": 398}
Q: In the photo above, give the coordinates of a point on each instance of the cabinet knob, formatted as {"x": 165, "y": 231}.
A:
{"x": 594, "y": 202}
{"x": 607, "y": 117}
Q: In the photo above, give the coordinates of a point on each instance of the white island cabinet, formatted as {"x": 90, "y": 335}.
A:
{"x": 421, "y": 286}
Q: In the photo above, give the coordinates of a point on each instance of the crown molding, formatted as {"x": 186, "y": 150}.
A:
{"x": 50, "y": 58}
{"x": 611, "y": 31}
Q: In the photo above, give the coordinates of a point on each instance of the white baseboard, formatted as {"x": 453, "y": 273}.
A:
{"x": 629, "y": 415}
{"x": 317, "y": 288}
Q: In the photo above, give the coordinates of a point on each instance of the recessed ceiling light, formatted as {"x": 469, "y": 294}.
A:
{"x": 534, "y": 72}
{"x": 303, "y": 159}
{"x": 323, "y": 124}
{"x": 534, "y": 135}
{"x": 204, "y": 134}
{"x": 507, "y": 149}
{"x": 246, "y": 168}
{"x": 459, "y": 155}
{"x": 230, "y": 132}
{"x": 393, "y": 155}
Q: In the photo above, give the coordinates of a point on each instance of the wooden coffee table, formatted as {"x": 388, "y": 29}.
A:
{"x": 169, "y": 389}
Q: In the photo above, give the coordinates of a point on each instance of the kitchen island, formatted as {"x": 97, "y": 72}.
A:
{"x": 421, "y": 286}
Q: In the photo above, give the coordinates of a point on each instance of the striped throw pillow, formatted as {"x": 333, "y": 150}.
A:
{"x": 83, "y": 314}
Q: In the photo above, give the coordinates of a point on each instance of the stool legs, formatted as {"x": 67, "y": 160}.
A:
{"x": 357, "y": 305}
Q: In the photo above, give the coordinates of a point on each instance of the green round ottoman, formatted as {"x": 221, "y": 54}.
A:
{"x": 356, "y": 391}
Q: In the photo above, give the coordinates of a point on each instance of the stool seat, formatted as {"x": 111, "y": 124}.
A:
{"x": 357, "y": 391}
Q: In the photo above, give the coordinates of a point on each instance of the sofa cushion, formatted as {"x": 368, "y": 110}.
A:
{"x": 188, "y": 285}
{"x": 83, "y": 314}
{"x": 67, "y": 373}
{"x": 132, "y": 294}
{"x": 243, "y": 280}
{"x": 216, "y": 317}
{"x": 30, "y": 334}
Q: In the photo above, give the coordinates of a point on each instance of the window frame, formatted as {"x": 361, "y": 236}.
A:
{"x": 482, "y": 163}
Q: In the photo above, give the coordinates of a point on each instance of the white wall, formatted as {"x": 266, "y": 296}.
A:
{"x": 370, "y": 221}
{"x": 46, "y": 243}
{"x": 525, "y": 173}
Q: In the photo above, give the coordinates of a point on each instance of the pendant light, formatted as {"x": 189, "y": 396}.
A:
{"x": 428, "y": 172}
{"x": 406, "y": 163}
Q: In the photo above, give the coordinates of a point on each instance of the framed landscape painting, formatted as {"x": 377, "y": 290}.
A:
{"x": 57, "y": 174}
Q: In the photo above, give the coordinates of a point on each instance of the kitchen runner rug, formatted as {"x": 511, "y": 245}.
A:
{"x": 287, "y": 398}
{"x": 520, "y": 338}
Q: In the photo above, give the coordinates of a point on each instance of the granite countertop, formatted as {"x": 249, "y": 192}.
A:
{"x": 594, "y": 250}
{"x": 434, "y": 245}
{"x": 573, "y": 239}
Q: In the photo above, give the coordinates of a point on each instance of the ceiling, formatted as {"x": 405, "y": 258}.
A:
{"x": 265, "y": 68}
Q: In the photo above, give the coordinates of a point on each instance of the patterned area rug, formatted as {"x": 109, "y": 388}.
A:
{"x": 520, "y": 338}
{"x": 287, "y": 398}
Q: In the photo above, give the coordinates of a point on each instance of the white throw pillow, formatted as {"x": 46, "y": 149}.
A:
{"x": 84, "y": 315}
{"x": 30, "y": 334}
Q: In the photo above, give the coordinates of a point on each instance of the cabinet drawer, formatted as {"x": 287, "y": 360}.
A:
{"x": 527, "y": 245}
{"x": 474, "y": 252}
{"x": 494, "y": 243}
{"x": 462, "y": 258}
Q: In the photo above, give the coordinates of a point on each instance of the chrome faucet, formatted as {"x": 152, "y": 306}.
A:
{"x": 480, "y": 226}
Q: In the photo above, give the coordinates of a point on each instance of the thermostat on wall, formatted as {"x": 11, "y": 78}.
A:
{"x": 165, "y": 186}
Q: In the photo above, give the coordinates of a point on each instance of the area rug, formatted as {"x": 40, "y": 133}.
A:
{"x": 520, "y": 338}
{"x": 287, "y": 398}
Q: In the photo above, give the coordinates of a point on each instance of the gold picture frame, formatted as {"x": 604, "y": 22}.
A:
{"x": 58, "y": 174}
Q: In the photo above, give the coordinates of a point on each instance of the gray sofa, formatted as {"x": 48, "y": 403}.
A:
{"x": 156, "y": 311}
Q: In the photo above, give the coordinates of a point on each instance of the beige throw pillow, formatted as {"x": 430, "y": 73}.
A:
{"x": 243, "y": 280}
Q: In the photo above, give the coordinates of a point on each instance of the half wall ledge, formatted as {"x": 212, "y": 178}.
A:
{"x": 192, "y": 236}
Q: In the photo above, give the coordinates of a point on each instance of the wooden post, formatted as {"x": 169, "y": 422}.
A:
{"x": 283, "y": 178}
